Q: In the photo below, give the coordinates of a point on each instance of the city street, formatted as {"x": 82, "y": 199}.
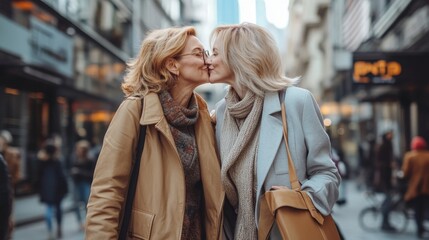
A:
{"x": 37, "y": 230}
{"x": 28, "y": 215}
{"x": 346, "y": 216}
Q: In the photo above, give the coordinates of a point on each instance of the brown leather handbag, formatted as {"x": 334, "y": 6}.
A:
{"x": 293, "y": 210}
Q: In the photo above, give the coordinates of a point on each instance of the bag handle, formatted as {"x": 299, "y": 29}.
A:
{"x": 123, "y": 231}
{"x": 292, "y": 173}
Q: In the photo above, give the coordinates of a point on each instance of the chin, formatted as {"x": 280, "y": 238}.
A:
{"x": 212, "y": 79}
{"x": 206, "y": 79}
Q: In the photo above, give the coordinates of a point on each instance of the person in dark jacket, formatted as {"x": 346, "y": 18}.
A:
{"x": 52, "y": 185}
{"x": 82, "y": 172}
{"x": 5, "y": 199}
{"x": 384, "y": 165}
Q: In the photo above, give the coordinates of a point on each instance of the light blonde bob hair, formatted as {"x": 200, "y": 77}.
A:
{"x": 252, "y": 55}
{"x": 148, "y": 72}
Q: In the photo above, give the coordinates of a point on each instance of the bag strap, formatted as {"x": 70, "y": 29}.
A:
{"x": 132, "y": 184}
{"x": 292, "y": 173}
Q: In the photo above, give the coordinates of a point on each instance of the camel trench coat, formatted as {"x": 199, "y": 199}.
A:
{"x": 159, "y": 204}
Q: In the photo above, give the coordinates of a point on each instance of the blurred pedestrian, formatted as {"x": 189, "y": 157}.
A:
{"x": 366, "y": 151}
{"x": 95, "y": 150}
{"x": 384, "y": 165}
{"x": 81, "y": 172}
{"x": 52, "y": 185}
{"x": 416, "y": 170}
{"x": 340, "y": 164}
{"x": 178, "y": 194}
{"x": 11, "y": 155}
{"x": 6, "y": 194}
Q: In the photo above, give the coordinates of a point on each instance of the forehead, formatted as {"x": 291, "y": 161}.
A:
{"x": 192, "y": 43}
{"x": 216, "y": 43}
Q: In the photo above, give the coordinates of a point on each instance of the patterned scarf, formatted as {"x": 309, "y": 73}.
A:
{"x": 238, "y": 148}
{"x": 182, "y": 121}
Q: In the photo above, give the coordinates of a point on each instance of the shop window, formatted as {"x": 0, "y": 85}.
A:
{"x": 97, "y": 71}
{"x": 13, "y": 113}
{"x": 91, "y": 120}
{"x": 23, "y": 10}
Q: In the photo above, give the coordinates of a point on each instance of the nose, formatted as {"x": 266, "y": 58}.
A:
{"x": 209, "y": 60}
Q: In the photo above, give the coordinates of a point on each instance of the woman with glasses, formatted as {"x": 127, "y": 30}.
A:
{"x": 249, "y": 129}
{"x": 178, "y": 193}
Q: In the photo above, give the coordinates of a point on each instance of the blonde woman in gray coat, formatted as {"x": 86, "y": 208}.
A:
{"x": 249, "y": 129}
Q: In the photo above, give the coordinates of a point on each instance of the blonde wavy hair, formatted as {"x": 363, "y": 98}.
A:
{"x": 252, "y": 55}
{"x": 148, "y": 72}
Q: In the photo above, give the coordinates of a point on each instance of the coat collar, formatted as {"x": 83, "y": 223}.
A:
{"x": 271, "y": 103}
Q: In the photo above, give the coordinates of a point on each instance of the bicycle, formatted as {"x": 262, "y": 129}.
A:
{"x": 371, "y": 217}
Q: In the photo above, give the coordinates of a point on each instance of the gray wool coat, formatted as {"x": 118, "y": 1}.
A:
{"x": 308, "y": 142}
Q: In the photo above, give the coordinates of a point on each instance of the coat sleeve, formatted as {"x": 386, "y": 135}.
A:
{"x": 323, "y": 178}
{"x": 111, "y": 175}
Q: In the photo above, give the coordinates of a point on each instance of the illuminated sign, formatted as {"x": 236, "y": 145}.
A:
{"x": 380, "y": 71}
{"x": 397, "y": 68}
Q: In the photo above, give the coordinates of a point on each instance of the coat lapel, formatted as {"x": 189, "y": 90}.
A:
{"x": 153, "y": 114}
{"x": 271, "y": 134}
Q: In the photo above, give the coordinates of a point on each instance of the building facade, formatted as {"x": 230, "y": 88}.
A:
{"x": 61, "y": 66}
{"x": 370, "y": 56}
{"x": 308, "y": 46}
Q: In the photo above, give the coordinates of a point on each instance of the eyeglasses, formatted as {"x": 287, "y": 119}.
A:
{"x": 204, "y": 54}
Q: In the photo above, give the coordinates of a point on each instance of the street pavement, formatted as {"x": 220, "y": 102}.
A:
{"x": 346, "y": 217}
{"x": 28, "y": 216}
{"x": 37, "y": 230}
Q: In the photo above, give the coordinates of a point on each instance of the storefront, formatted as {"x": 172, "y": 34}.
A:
{"x": 384, "y": 91}
{"x": 383, "y": 84}
{"x": 396, "y": 84}
{"x": 54, "y": 81}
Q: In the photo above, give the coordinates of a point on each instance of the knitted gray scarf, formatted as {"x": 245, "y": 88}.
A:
{"x": 238, "y": 148}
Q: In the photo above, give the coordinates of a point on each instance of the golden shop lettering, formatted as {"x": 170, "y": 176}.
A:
{"x": 380, "y": 71}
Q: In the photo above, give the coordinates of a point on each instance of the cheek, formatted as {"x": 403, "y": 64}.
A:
{"x": 193, "y": 70}
{"x": 221, "y": 68}
{"x": 191, "y": 67}
{"x": 217, "y": 61}
{"x": 197, "y": 65}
